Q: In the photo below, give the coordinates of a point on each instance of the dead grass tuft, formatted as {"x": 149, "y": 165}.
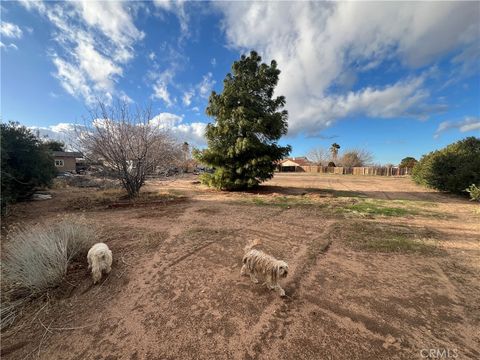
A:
{"x": 37, "y": 259}
{"x": 388, "y": 238}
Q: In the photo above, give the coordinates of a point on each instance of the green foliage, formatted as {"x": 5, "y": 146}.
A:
{"x": 54, "y": 145}
{"x": 242, "y": 143}
{"x": 408, "y": 162}
{"x": 26, "y": 164}
{"x": 474, "y": 192}
{"x": 452, "y": 168}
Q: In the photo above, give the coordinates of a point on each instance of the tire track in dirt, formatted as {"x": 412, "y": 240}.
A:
{"x": 275, "y": 320}
{"x": 126, "y": 307}
{"x": 187, "y": 255}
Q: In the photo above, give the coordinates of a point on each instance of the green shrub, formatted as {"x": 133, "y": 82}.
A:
{"x": 26, "y": 164}
{"x": 452, "y": 168}
{"x": 474, "y": 192}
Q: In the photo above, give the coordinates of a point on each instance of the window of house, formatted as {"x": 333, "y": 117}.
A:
{"x": 59, "y": 163}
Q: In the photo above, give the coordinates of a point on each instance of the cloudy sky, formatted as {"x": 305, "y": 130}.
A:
{"x": 399, "y": 79}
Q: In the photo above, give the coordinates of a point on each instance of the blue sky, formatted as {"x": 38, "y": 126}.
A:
{"x": 398, "y": 79}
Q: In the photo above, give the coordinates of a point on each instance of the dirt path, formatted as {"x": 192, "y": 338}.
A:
{"x": 175, "y": 290}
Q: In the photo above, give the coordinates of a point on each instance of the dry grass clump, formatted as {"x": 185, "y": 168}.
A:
{"x": 389, "y": 238}
{"x": 37, "y": 259}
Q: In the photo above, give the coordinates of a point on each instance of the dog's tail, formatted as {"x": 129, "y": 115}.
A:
{"x": 251, "y": 245}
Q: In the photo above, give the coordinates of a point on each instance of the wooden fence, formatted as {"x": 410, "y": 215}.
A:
{"x": 372, "y": 170}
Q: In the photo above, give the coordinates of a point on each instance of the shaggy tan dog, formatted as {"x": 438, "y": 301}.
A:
{"x": 99, "y": 259}
{"x": 256, "y": 262}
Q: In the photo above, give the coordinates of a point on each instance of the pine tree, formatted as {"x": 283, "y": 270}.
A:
{"x": 242, "y": 143}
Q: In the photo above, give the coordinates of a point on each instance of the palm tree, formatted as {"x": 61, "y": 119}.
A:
{"x": 334, "y": 150}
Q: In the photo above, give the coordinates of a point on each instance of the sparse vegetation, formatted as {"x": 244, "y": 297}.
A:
{"x": 390, "y": 208}
{"x": 114, "y": 197}
{"x": 375, "y": 208}
{"x": 283, "y": 201}
{"x": 474, "y": 192}
{"x": 378, "y": 237}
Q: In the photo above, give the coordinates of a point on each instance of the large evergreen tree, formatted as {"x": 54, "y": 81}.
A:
{"x": 242, "y": 143}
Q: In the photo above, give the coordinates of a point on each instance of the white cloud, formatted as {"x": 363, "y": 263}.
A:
{"x": 213, "y": 62}
{"x": 193, "y": 133}
{"x": 160, "y": 91}
{"x": 10, "y": 30}
{"x": 64, "y": 132}
{"x": 9, "y": 46}
{"x": 152, "y": 56}
{"x": 161, "y": 81}
{"x": 100, "y": 69}
{"x": 176, "y": 7}
{"x": 73, "y": 80}
{"x": 187, "y": 97}
{"x": 95, "y": 40}
{"x": 317, "y": 43}
{"x": 469, "y": 123}
{"x": 112, "y": 19}
{"x": 166, "y": 120}
{"x": 206, "y": 85}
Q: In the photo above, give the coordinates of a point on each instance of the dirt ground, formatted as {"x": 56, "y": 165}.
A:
{"x": 175, "y": 291}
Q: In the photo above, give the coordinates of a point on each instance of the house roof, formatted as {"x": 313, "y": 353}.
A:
{"x": 300, "y": 161}
{"x": 67, "y": 154}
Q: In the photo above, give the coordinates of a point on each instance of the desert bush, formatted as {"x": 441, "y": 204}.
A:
{"x": 37, "y": 258}
{"x": 474, "y": 192}
{"x": 452, "y": 168}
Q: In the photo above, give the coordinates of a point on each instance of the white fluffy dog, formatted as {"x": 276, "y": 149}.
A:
{"x": 99, "y": 259}
{"x": 256, "y": 262}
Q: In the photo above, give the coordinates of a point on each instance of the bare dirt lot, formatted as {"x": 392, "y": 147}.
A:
{"x": 379, "y": 269}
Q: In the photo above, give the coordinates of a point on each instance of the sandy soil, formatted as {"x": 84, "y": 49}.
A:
{"x": 175, "y": 291}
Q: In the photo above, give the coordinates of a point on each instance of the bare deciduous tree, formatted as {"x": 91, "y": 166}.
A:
{"x": 319, "y": 156}
{"x": 130, "y": 144}
{"x": 356, "y": 157}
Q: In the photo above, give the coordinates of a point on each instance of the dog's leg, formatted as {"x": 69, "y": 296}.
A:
{"x": 89, "y": 262}
{"x": 253, "y": 278}
{"x": 244, "y": 270}
{"x": 281, "y": 292}
{"x": 108, "y": 269}
{"x": 269, "y": 283}
{"x": 97, "y": 275}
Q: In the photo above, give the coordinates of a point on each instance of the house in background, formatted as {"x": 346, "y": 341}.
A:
{"x": 66, "y": 160}
{"x": 293, "y": 164}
